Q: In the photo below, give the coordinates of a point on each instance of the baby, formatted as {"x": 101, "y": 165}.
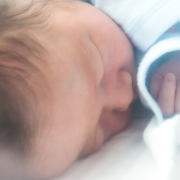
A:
{"x": 67, "y": 83}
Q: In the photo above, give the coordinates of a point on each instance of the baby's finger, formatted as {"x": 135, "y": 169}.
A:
{"x": 167, "y": 92}
{"x": 177, "y": 99}
{"x": 155, "y": 85}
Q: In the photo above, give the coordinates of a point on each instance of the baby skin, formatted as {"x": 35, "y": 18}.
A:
{"x": 88, "y": 86}
{"x": 87, "y": 89}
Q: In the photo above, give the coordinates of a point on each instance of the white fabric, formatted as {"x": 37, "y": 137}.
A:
{"x": 142, "y": 20}
{"x": 164, "y": 141}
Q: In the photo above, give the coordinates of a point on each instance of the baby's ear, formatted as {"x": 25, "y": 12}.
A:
{"x": 119, "y": 93}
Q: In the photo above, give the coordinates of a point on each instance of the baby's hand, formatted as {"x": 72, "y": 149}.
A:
{"x": 165, "y": 87}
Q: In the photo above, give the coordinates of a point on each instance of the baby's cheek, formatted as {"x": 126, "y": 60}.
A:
{"x": 93, "y": 142}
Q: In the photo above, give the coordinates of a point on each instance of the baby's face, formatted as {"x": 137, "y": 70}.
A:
{"x": 91, "y": 84}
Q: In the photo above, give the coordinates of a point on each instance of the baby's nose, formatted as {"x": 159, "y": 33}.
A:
{"x": 120, "y": 92}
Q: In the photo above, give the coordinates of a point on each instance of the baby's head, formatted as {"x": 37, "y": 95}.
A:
{"x": 67, "y": 81}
